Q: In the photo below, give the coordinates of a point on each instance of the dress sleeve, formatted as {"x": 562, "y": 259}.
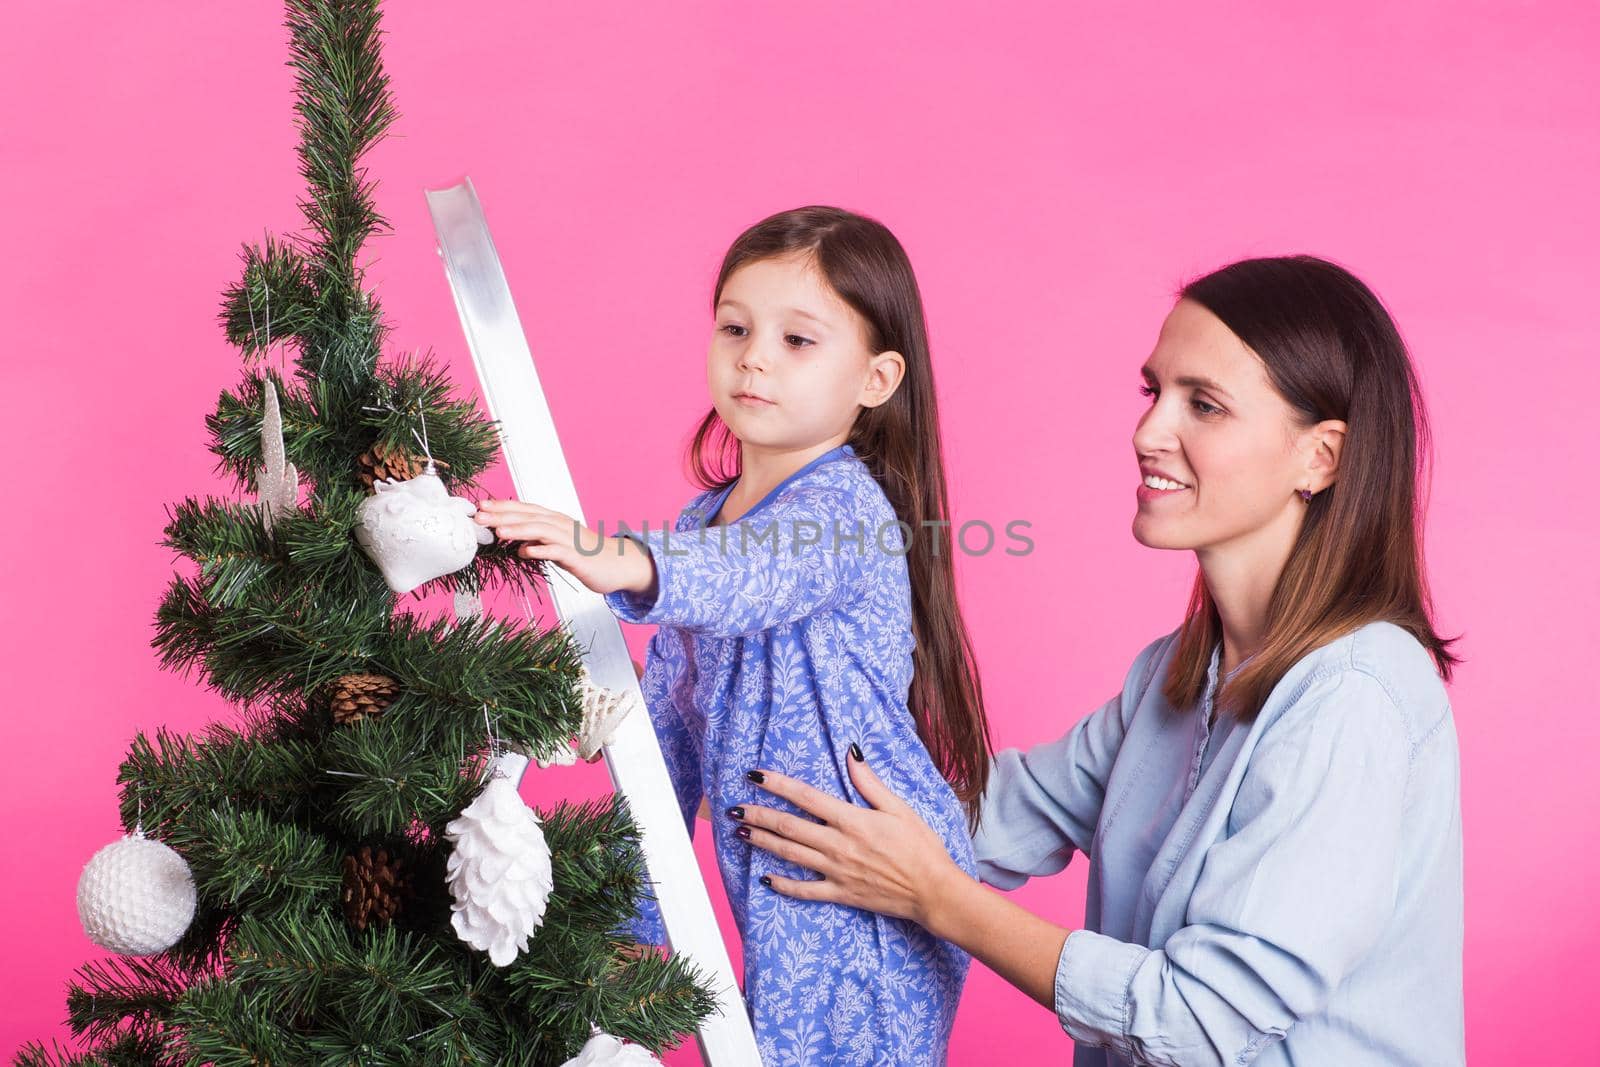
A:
{"x": 803, "y": 554}
{"x": 1043, "y": 804}
{"x": 1285, "y": 907}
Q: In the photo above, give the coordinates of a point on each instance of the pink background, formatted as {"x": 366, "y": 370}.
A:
{"x": 1054, "y": 175}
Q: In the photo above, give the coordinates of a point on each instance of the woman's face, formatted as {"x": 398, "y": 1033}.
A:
{"x": 1219, "y": 449}
{"x": 789, "y": 365}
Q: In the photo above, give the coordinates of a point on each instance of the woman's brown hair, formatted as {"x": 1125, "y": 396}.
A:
{"x": 1333, "y": 352}
{"x": 899, "y": 443}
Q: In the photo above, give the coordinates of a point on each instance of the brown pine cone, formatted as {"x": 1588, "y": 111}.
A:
{"x": 375, "y": 887}
{"x": 382, "y": 461}
{"x": 355, "y": 696}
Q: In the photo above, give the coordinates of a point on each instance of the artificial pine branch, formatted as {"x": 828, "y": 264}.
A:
{"x": 274, "y": 302}
{"x": 266, "y": 810}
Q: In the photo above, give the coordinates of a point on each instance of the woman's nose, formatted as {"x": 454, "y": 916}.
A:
{"x": 1153, "y": 432}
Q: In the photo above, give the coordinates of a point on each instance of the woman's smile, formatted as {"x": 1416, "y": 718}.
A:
{"x": 1157, "y": 486}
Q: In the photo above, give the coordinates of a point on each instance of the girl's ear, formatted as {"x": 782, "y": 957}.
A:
{"x": 884, "y": 375}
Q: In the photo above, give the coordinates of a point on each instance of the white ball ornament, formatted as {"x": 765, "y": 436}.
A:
{"x": 499, "y": 871}
{"x": 603, "y": 1050}
{"x": 415, "y": 531}
{"x": 136, "y": 896}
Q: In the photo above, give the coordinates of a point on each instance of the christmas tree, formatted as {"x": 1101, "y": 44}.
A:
{"x": 324, "y": 828}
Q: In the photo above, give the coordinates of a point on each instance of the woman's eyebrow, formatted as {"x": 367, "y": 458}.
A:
{"x": 1193, "y": 382}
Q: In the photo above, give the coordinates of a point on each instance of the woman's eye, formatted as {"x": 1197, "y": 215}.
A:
{"x": 1199, "y": 405}
{"x": 798, "y": 341}
{"x": 732, "y": 330}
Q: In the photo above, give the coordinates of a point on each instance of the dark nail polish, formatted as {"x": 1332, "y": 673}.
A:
{"x": 766, "y": 881}
{"x": 821, "y": 877}
{"x": 855, "y": 753}
{"x": 735, "y": 813}
{"x": 744, "y": 832}
{"x": 756, "y": 776}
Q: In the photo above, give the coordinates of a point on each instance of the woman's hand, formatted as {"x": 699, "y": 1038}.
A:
{"x": 883, "y": 858}
{"x": 604, "y": 564}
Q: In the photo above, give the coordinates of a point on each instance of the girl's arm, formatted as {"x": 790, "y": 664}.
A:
{"x": 1288, "y": 904}
{"x": 802, "y": 555}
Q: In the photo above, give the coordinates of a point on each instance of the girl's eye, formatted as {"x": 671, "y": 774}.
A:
{"x": 1145, "y": 390}
{"x": 731, "y": 329}
{"x": 802, "y": 341}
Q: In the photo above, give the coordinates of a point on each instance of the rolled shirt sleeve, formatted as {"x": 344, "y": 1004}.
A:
{"x": 1043, "y": 804}
{"x": 804, "y": 554}
{"x": 1286, "y": 905}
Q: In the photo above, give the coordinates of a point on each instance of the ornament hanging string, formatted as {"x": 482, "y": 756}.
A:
{"x": 250, "y": 309}
{"x": 421, "y": 439}
{"x": 494, "y": 743}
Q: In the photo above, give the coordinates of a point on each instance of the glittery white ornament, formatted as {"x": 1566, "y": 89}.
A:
{"x": 277, "y": 482}
{"x": 603, "y": 1050}
{"x": 603, "y": 710}
{"x": 136, "y": 896}
{"x": 415, "y": 531}
{"x": 499, "y": 871}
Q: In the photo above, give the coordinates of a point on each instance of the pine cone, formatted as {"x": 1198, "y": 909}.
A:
{"x": 382, "y": 461}
{"x": 375, "y": 887}
{"x": 355, "y": 696}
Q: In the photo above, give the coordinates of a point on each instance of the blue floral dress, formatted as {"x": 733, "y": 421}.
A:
{"x": 785, "y": 636}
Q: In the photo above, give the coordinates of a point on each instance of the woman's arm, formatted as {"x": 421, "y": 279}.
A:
{"x": 1012, "y": 941}
{"x": 886, "y": 859}
{"x": 1289, "y": 902}
{"x": 1043, "y": 804}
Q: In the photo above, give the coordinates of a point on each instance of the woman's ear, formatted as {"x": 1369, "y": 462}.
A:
{"x": 884, "y": 375}
{"x": 1324, "y": 442}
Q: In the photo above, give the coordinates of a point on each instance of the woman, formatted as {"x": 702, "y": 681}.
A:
{"x": 1271, "y": 804}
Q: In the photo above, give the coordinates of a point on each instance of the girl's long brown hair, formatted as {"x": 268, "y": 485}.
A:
{"x": 1333, "y": 352}
{"x": 899, "y": 442}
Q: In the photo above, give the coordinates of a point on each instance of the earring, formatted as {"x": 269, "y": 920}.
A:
{"x": 1305, "y": 494}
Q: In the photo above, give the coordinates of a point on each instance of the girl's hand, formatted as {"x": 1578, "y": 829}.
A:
{"x": 605, "y": 565}
{"x": 883, "y": 858}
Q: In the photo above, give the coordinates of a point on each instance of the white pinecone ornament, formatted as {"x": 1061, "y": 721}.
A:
{"x": 136, "y": 896}
{"x": 499, "y": 871}
{"x": 603, "y": 711}
{"x": 603, "y": 1050}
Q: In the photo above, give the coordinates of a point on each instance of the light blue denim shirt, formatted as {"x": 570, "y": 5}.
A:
{"x": 1286, "y": 891}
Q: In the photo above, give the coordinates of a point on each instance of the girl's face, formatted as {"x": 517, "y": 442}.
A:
{"x": 1218, "y": 428}
{"x": 789, "y": 365}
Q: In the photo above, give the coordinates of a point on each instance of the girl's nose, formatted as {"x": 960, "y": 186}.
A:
{"x": 752, "y": 357}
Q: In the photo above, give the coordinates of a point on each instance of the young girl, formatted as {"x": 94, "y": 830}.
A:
{"x": 807, "y": 613}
